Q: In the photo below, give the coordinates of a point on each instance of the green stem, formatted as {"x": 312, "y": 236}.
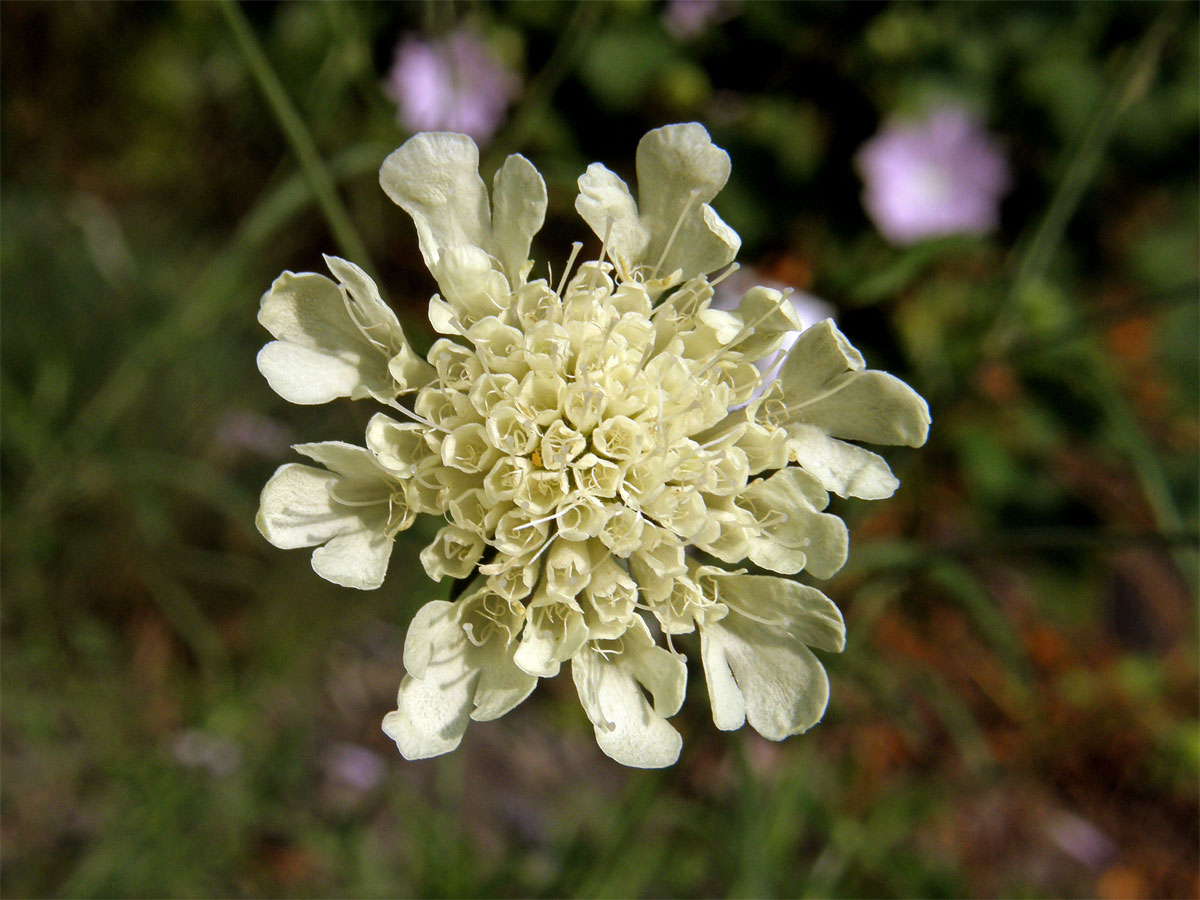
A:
{"x": 344, "y": 233}
{"x": 1032, "y": 256}
{"x": 201, "y": 309}
{"x": 566, "y": 54}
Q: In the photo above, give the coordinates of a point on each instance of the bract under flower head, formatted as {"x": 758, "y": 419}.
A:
{"x": 595, "y": 446}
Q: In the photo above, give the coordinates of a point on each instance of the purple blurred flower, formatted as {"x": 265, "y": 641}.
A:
{"x": 686, "y": 19}
{"x": 939, "y": 176}
{"x": 354, "y": 766}
{"x": 450, "y": 84}
{"x": 240, "y": 433}
{"x": 1081, "y": 839}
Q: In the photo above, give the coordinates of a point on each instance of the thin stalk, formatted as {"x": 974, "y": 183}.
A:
{"x": 201, "y": 309}
{"x": 565, "y": 55}
{"x": 298, "y": 136}
{"x": 1032, "y": 256}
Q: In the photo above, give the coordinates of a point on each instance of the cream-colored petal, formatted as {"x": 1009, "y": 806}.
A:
{"x": 452, "y": 553}
{"x": 434, "y": 700}
{"x": 796, "y": 536}
{"x": 471, "y": 288}
{"x": 844, "y": 469}
{"x": 358, "y": 559}
{"x": 825, "y": 383}
{"x": 299, "y": 508}
{"x": 518, "y": 212}
{"x": 672, "y": 162}
{"x": 398, "y": 447}
{"x": 308, "y": 376}
{"x": 321, "y": 353}
{"x": 429, "y": 629}
{"x": 659, "y": 671}
{"x": 450, "y": 680}
{"x": 409, "y": 372}
{"x": 430, "y": 718}
{"x": 757, "y": 674}
{"x": 380, "y": 328}
{"x": 795, "y": 609}
{"x": 604, "y": 202}
{"x": 627, "y": 728}
{"x": 679, "y": 171}
{"x": 376, "y": 316}
{"x": 704, "y": 244}
{"x": 552, "y": 635}
{"x": 502, "y": 684}
{"x": 345, "y": 459}
{"x": 768, "y": 315}
{"x": 434, "y": 177}
{"x": 296, "y": 510}
{"x": 307, "y": 309}
{"x": 820, "y": 354}
{"x": 869, "y": 406}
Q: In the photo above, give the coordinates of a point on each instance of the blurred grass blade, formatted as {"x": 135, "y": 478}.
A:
{"x": 298, "y": 135}
{"x": 580, "y": 28}
{"x": 185, "y": 616}
{"x": 214, "y": 293}
{"x": 1032, "y": 256}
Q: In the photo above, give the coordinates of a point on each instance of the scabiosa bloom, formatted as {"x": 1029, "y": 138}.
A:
{"x": 594, "y": 447}
{"x": 452, "y": 83}
{"x": 943, "y": 175}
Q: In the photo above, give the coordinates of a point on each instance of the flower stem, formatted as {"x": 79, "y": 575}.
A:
{"x": 288, "y": 118}
{"x": 1032, "y": 256}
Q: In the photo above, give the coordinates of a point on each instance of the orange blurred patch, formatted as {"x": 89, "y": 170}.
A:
{"x": 1045, "y": 647}
{"x": 789, "y": 269}
{"x": 998, "y": 382}
{"x": 1131, "y": 339}
{"x": 1121, "y": 883}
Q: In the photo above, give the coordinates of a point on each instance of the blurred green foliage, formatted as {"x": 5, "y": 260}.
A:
{"x": 187, "y": 712}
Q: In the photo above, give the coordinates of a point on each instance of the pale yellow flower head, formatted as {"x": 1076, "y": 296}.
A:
{"x": 596, "y": 446}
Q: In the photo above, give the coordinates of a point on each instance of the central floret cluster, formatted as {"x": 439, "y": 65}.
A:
{"x": 591, "y": 445}
{"x": 590, "y": 425}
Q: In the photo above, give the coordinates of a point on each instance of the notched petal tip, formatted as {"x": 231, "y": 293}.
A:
{"x": 434, "y": 177}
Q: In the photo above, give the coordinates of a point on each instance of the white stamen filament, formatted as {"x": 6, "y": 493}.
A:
{"x": 394, "y": 404}
{"x": 795, "y": 407}
{"x": 575, "y": 248}
{"x": 692, "y": 195}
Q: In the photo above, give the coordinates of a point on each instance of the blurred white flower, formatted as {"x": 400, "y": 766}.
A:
{"x": 451, "y": 83}
{"x": 939, "y": 176}
{"x": 577, "y": 438}
{"x": 196, "y": 749}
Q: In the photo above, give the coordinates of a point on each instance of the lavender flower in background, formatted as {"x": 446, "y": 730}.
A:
{"x": 685, "y": 19}
{"x": 939, "y": 176}
{"x": 450, "y": 84}
{"x": 353, "y": 765}
{"x": 240, "y": 434}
